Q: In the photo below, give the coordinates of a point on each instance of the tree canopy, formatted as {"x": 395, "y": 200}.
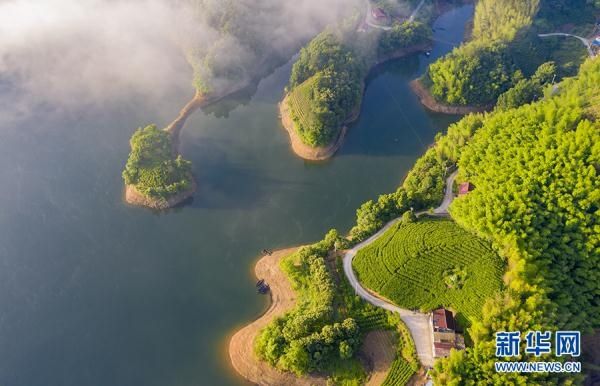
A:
{"x": 151, "y": 167}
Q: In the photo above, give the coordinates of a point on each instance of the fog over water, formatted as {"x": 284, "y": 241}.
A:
{"x": 95, "y": 292}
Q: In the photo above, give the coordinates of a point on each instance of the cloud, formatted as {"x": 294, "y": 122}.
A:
{"x": 77, "y": 53}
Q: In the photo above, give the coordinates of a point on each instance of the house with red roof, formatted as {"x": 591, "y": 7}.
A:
{"x": 444, "y": 336}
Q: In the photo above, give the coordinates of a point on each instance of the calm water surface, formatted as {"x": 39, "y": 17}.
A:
{"x": 95, "y": 292}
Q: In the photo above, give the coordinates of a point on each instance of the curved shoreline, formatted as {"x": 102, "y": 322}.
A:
{"x": 135, "y": 197}
{"x": 301, "y": 149}
{"x": 321, "y": 153}
{"x": 199, "y": 100}
{"x": 429, "y": 101}
{"x": 241, "y": 345}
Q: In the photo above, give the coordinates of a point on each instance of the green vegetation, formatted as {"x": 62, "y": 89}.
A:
{"x": 406, "y": 362}
{"x": 413, "y": 264}
{"x": 151, "y": 167}
{"x": 528, "y": 90}
{"x": 537, "y": 198}
{"x": 326, "y": 82}
{"x": 423, "y": 188}
{"x": 476, "y": 73}
{"x": 505, "y": 49}
{"x": 239, "y": 41}
{"x": 326, "y": 85}
{"x": 324, "y": 331}
{"x": 399, "y": 374}
{"x": 401, "y": 36}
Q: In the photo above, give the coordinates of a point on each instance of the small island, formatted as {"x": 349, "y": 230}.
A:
{"x": 154, "y": 176}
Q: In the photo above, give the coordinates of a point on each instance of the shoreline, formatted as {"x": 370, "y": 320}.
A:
{"x": 430, "y": 103}
{"x": 322, "y": 153}
{"x": 134, "y": 197}
{"x": 302, "y": 150}
{"x": 241, "y": 344}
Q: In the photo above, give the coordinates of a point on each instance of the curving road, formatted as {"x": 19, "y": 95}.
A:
{"x": 418, "y": 323}
{"x": 368, "y": 17}
{"x": 585, "y": 41}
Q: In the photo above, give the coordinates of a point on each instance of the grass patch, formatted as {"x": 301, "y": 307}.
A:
{"x": 431, "y": 263}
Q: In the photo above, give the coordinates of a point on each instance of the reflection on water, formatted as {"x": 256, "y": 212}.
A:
{"x": 95, "y": 292}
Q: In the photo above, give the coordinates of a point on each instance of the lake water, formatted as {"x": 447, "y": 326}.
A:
{"x": 96, "y": 292}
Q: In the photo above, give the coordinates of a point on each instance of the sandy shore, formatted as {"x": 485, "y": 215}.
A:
{"x": 429, "y": 101}
{"x": 241, "y": 345}
{"x": 134, "y": 197}
{"x": 301, "y": 149}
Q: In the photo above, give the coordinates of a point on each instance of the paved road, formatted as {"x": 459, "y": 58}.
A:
{"x": 417, "y": 323}
{"x": 586, "y": 42}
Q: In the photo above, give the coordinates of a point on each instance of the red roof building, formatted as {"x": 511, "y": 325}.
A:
{"x": 443, "y": 334}
{"x": 464, "y": 188}
{"x": 443, "y": 320}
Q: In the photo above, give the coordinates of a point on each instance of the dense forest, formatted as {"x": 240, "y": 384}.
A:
{"x": 326, "y": 85}
{"x": 537, "y": 196}
{"x": 326, "y": 82}
{"x": 477, "y": 72}
{"x": 504, "y": 49}
{"x": 324, "y": 331}
{"x": 152, "y": 168}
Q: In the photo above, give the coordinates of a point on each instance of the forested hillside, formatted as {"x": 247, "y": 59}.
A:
{"x": 476, "y": 73}
{"x": 505, "y": 50}
{"x": 327, "y": 80}
{"x": 537, "y": 196}
{"x": 231, "y": 42}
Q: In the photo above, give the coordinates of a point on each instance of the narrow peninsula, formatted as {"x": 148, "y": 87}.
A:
{"x": 328, "y": 80}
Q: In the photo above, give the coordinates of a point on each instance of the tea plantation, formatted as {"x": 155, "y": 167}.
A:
{"x": 431, "y": 263}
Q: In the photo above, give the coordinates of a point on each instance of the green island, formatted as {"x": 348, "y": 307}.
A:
{"x": 327, "y": 81}
{"x": 430, "y": 263}
{"x": 153, "y": 175}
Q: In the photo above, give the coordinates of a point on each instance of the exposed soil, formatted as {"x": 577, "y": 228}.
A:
{"x": 301, "y": 149}
{"x": 379, "y": 351}
{"x": 321, "y": 153}
{"x": 241, "y": 345}
{"x": 429, "y": 101}
{"x": 134, "y": 197}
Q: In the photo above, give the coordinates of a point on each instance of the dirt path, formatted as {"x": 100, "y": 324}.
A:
{"x": 379, "y": 350}
{"x": 241, "y": 345}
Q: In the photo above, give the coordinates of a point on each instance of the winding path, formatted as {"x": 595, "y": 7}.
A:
{"x": 418, "y": 323}
{"x": 585, "y": 41}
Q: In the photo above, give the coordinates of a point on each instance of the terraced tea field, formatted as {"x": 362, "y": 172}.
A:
{"x": 431, "y": 263}
{"x": 299, "y": 102}
{"x": 399, "y": 374}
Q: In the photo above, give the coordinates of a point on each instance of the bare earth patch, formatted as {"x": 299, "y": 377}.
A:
{"x": 241, "y": 345}
{"x": 379, "y": 351}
